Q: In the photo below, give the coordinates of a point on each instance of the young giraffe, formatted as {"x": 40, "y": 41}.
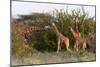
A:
{"x": 60, "y": 38}
{"x": 79, "y": 41}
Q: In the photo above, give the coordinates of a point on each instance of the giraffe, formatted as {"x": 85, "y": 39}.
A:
{"x": 79, "y": 41}
{"x": 82, "y": 43}
{"x": 60, "y": 38}
{"x": 28, "y": 31}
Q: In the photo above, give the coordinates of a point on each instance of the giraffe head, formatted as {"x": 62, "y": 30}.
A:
{"x": 71, "y": 29}
{"x": 47, "y": 27}
{"x": 53, "y": 21}
{"x": 53, "y": 24}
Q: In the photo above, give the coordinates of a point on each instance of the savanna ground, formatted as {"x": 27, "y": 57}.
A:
{"x": 43, "y": 51}
{"x": 53, "y": 57}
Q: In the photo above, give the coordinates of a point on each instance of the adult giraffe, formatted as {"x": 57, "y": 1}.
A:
{"x": 79, "y": 41}
{"x": 60, "y": 37}
{"x": 27, "y": 32}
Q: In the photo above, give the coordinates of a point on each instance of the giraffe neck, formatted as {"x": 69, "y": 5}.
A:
{"x": 56, "y": 30}
{"x": 72, "y": 31}
{"x": 75, "y": 34}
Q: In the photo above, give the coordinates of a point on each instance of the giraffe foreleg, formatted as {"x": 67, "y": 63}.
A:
{"x": 77, "y": 45}
{"x": 58, "y": 44}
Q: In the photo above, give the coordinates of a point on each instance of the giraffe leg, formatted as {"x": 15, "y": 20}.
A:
{"x": 58, "y": 48}
{"x": 84, "y": 46}
{"x": 77, "y": 47}
{"x": 67, "y": 45}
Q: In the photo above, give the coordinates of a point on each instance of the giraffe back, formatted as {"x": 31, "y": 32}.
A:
{"x": 29, "y": 29}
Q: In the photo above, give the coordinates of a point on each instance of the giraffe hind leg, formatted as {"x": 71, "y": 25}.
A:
{"x": 67, "y": 45}
{"x": 84, "y": 46}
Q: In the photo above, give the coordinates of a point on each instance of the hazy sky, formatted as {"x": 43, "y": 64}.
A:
{"x": 19, "y": 8}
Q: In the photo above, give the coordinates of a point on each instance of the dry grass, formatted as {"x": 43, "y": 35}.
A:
{"x": 53, "y": 57}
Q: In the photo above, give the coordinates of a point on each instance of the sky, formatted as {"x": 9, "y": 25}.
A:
{"x": 24, "y": 8}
